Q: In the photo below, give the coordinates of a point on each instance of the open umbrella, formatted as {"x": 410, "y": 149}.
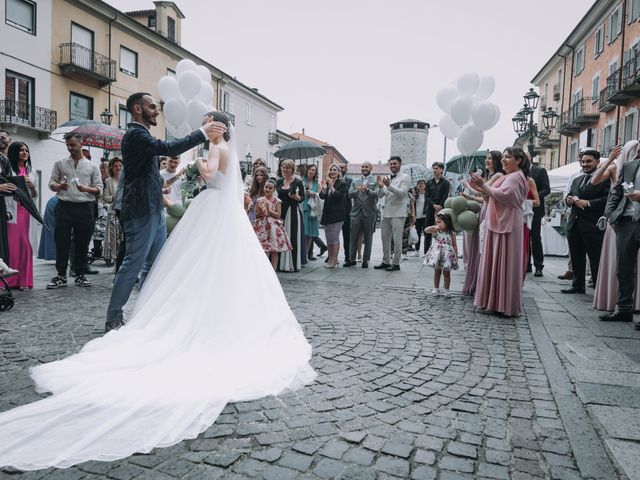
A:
{"x": 100, "y": 135}
{"x": 467, "y": 163}
{"x": 59, "y": 133}
{"x": 299, "y": 149}
{"x": 416, "y": 172}
{"x": 22, "y": 194}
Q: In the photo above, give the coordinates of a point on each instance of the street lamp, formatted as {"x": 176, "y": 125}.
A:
{"x": 523, "y": 123}
{"x": 106, "y": 117}
{"x": 248, "y": 163}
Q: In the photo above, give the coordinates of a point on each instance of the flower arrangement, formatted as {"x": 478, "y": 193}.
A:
{"x": 190, "y": 186}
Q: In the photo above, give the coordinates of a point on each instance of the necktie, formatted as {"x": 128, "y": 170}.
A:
{"x": 583, "y": 184}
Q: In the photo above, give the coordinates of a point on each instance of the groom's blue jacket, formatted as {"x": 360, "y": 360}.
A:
{"x": 143, "y": 183}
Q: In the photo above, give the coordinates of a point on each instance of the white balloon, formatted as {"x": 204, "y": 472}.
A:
{"x": 185, "y": 65}
{"x": 483, "y": 115}
{"x": 205, "y": 95}
{"x": 195, "y": 111}
{"x": 189, "y": 85}
{"x": 204, "y": 73}
{"x": 470, "y": 139}
{"x": 448, "y": 127}
{"x": 168, "y": 88}
{"x": 468, "y": 83}
{"x": 461, "y": 110}
{"x": 445, "y": 97}
{"x": 496, "y": 118}
{"x": 485, "y": 88}
{"x": 173, "y": 131}
{"x": 175, "y": 111}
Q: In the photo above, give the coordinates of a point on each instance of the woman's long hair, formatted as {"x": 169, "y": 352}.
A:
{"x": 257, "y": 189}
{"x": 14, "y": 157}
{"x": 496, "y": 162}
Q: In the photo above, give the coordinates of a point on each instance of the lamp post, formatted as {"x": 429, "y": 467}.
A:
{"x": 523, "y": 123}
{"x": 444, "y": 147}
{"x": 106, "y": 117}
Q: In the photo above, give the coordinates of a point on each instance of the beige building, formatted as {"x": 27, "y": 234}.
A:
{"x": 94, "y": 56}
{"x": 595, "y": 77}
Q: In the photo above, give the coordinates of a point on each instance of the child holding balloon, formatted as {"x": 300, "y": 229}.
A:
{"x": 443, "y": 253}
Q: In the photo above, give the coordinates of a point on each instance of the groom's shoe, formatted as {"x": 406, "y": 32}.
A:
{"x": 617, "y": 316}
{"x": 382, "y": 266}
{"x": 113, "y": 325}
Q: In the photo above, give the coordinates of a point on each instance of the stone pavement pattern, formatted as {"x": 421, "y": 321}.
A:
{"x": 409, "y": 386}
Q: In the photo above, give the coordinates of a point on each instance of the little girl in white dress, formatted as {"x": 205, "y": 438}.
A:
{"x": 443, "y": 253}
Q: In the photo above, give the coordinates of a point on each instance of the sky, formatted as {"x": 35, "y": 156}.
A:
{"x": 344, "y": 70}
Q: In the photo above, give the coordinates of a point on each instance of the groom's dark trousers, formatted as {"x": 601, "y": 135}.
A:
{"x": 141, "y": 215}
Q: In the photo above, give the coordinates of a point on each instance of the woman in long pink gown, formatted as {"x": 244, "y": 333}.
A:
{"x": 605, "y": 294}
{"x": 472, "y": 242}
{"x": 501, "y": 273}
{"x": 20, "y": 251}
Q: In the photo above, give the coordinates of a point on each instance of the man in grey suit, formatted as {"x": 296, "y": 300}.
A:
{"x": 363, "y": 194}
{"x": 623, "y": 213}
{"x": 395, "y": 190}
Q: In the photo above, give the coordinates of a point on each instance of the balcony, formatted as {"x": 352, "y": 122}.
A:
{"x": 273, "y": 138}
{"x": 76, "y": 60}
{"x": 552, "y": 141}
{"x": 604, "y": 105}
{"x": 583, "y": 112}
{"x": 556, "y": 92}
{"x": 32, "y": 117}
{"x": 622, "y": 85}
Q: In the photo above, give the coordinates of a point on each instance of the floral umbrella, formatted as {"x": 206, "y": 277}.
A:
{"x": 100, "y": 136}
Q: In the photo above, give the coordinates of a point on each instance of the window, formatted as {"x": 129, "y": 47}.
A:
{"x": 124, "y": 117}
{"x": 595, "y": 87}
{"x": 615, "y": 24}
{"x": 227, "y": 102}
{"x": 613, "y": 67}
{"x": 599, "y": 43}
{"x": 554, "y": 159}
{"x": 80, "y": 106}
{"x": 608, "y": 138}
{"x": 633, "y": 10}
{"x": 249, "y": 112}
{"x": 19, "y": 96}
{"x": 171, "y": 29}
{"x": 83, "y": 54}
{"x": 578, "y": 65}
{"x": 151, "y": 21}
{"x": 21, "y": 14}
{"x": 128, "y": 61}
{"x": 171, "y": 73}
{"x": 630, "y": 127}
{"x": 573, "y": 152}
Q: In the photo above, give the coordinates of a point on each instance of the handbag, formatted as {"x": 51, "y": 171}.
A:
{"x": 413, "y": 235}
{"x": 312, "y": 201}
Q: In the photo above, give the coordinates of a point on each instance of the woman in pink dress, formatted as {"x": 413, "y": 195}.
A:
{"x": 501, "y": 271}
{"x": 472, "y": 240}
{"x": 20, "y": 251}
{"x": 606, "y": 289}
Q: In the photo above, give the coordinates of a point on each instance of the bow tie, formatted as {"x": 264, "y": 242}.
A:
{"x": 393, "y": 175}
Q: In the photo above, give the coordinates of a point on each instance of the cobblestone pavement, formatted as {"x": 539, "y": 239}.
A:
{"x": 409, "y": 386}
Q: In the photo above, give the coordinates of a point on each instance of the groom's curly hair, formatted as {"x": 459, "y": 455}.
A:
{"x": 222, "y": 118}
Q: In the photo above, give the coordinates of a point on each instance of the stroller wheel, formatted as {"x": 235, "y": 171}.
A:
{"x": 91, "y": 258}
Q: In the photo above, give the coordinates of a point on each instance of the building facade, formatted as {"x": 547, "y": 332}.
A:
{"x": 86, "y": 57}
{"x": 409, "y": 140}
{"x": 599, "y": 85}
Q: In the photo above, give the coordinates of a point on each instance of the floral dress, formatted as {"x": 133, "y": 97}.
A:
{"x": 441, "y": 254}
{"x": 270, "y": 231}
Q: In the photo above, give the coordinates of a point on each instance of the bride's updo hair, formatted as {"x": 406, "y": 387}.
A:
{"x": 222, "y": 118}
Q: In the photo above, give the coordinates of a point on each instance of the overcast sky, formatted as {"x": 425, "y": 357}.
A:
{"x": 344, "y": 70}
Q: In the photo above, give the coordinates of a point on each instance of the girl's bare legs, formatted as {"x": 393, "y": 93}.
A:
{"x": 447, "y": 279}
{"x": 273, "y": 256}
{"x": 436, "y": 278}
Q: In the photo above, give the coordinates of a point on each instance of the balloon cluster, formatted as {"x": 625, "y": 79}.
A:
{"x": 187, "y": 97}
{"x": 468, "y": 113}
{"x": 464, "y": 213}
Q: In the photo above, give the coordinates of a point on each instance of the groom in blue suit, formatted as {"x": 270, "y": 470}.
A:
{"x": 141, "y": 214}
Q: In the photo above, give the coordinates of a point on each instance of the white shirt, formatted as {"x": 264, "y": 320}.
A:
{"x": 175, "y": 195}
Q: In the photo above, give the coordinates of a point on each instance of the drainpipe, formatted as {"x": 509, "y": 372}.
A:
{"x": 109, "y": 90}
{"x": 564, "y": 79}
{"x": 624, "y": 31}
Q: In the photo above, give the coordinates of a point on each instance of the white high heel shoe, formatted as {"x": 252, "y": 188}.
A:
{"x": 7, "y": 271}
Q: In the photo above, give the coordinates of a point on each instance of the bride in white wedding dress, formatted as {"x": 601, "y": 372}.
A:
{"x": 211, "y": 326}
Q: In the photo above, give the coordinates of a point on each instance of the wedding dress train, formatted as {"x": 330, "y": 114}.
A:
{"x": 211, "y": 325}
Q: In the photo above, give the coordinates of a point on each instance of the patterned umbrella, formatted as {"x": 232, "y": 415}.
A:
{"x": 59, "y": 133}
{"x": 417, "y": 172}
{"x": 100, "y": 136}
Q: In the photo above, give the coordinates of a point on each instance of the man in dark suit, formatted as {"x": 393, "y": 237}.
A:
{"x": 437, "y": 193}
{"x": 141, "y": 212}
{"x": 346, "y": 226}
{"x": 623, "y": 212}
{"x": 587, "y": 202}
{"x": 539, "y": 175}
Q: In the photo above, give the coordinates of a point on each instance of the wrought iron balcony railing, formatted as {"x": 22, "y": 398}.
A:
{"x": 77, "y": 59}
{"x": 25, "y": 114}
{"x": 273, "y": 138}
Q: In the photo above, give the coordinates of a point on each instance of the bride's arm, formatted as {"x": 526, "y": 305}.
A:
{"x": 217, "y": 161}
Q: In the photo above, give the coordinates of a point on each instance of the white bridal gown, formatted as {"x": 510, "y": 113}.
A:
{"x": 211, "y": 326}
